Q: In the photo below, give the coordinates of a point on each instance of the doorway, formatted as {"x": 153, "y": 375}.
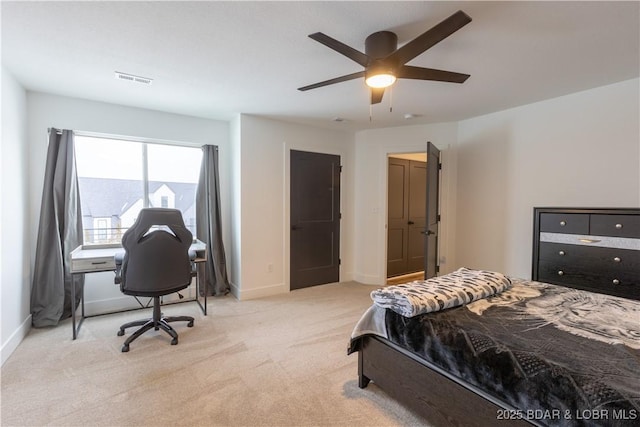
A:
{"x": 315, "y": 219}
{"x": 406, "y": 203}
{"x": 413, "y": 218}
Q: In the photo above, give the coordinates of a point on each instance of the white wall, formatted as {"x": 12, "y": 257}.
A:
{"x": 45, "y": 110}
{"x": 580, "y": 150}
{"x": 15, "y": 277}
{"x": 372, "y": 148}
{"x": 264, "y": 221}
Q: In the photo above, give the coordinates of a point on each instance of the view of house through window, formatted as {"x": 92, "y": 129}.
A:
{"x": 118, "y": 178}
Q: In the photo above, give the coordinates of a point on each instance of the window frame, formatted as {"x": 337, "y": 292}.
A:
{"x": 144, "y": 141}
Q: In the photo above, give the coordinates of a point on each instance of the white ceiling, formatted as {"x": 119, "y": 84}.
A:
{"x": 215, "y": 59}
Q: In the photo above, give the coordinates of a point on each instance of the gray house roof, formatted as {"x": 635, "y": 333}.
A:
{"x": 105, "y": 197}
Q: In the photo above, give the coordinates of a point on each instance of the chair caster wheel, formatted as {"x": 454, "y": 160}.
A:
{"x": 120, "y": 333}
{"x": 174, "y": 341}
{"x": 125, "y": 348}
{"x": 190, "y": 324}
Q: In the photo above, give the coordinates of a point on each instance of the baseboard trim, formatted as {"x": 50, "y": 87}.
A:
{"x": 366, "y": 279}
{"x": 15, "y": 339}
{"x": 265, "y": 291}
{"x": 235, "y": 291}
{"x": 126, "y": 302}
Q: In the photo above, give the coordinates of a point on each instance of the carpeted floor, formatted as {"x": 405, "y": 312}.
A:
{"x": 277, "y": 361}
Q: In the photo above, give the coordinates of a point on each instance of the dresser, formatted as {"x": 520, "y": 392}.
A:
{"x": 592, "y": 249}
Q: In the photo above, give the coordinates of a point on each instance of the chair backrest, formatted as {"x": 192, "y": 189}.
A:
{"x": 156, "y": 260}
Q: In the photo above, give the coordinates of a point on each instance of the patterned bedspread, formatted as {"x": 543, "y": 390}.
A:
{"x": 562, "y": 357}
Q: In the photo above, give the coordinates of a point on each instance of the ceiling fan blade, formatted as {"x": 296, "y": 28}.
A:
{"x": 332, "y": 81}
{"x": 348, "y": 51}
{"x": 419, "y": 73}
{"x": 376, "y": 95}
{"x": 429, "y": 38}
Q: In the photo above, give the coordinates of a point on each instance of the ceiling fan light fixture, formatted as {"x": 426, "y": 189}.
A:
{"x": 380, "y": 80}
{"x": 384, "y": 62}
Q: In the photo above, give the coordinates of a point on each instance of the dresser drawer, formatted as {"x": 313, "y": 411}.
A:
{"x": 615, "y": 225}
{"x": 581, "y": 280}
{"x": 600, "y": 262}
{"x": 608, "y": 270}
{"x": 564, "y": 223}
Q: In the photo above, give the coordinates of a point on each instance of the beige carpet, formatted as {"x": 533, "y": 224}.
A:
{"x": 277, "y": 361}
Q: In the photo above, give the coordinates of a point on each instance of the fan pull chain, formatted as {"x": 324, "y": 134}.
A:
{"x": 391, "y": 99}
{"x": 370, "y": 111}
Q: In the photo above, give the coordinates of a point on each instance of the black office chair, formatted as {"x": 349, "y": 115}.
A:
{"x": 156, "y": 262}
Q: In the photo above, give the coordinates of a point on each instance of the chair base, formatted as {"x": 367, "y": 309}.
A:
{"x": 156, "y": 322}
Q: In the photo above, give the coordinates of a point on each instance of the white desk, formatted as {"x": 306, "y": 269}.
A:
{"x": 100, "y": 258}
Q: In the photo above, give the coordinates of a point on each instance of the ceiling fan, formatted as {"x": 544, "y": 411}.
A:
{"x": 383, "y": 62}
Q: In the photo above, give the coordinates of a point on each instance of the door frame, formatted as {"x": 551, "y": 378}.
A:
{"x": 411, "y": 159}
{"x": 446, "y": 200}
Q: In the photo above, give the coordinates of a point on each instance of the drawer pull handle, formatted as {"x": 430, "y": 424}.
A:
{"x": 563, "y": 223}
{"x": 617, "y": 259}
{"x": 616, "y": 281}
{"x": 561, "y": 253}
{"x": 560, "y": 273}
{"x": 98, "y": 262}
{"x": 590, "y": 240}
{"x": 618, "y": 226}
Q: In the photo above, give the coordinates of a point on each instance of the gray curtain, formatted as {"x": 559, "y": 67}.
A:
{"x": 208, "y": 223}
{"x": 59, "y": 233}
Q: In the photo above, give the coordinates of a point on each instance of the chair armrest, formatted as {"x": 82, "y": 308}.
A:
{"x": 192, "y": 256}
{"x": 118, "y": 258}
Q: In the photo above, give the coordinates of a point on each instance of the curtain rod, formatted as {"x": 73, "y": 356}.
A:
{"x": 132, "y": 138}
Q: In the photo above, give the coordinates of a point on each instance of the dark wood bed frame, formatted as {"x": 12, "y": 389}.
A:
{"x": 440, "y": 400}
{"x": 438, "y": 397}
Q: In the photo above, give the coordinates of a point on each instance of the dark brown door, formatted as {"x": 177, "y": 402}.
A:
{"x": 315, "y": 219}
{"x": 430, "y": 240}
{"x": 406, "y": 216}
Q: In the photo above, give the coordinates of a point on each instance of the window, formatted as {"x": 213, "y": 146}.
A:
{"x": 118, "y": 177}
{"x": 101, "y": 230}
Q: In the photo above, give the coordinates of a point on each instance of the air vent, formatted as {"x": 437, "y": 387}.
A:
{"x": 136, "y": 79}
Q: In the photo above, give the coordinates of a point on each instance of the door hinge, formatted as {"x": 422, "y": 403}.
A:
{"x": 438, "y": 218}
{"x": 339, "y": 261}
{"x": 340, "y": 215}
{"x": 437, "y": 269}
{"x": 340, "y": 168}
{"x": 440, "y": 166}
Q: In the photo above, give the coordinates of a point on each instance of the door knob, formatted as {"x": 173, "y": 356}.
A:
{"x": 411, "y": 223}
{"x": 428, "y": 232}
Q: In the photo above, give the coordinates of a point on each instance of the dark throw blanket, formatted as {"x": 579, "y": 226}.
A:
{"x": 564, "y": 357}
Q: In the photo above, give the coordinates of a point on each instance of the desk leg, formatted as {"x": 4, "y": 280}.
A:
{"x": 200, "y": 272}
{"x": 206, "y": 291}
{"x": 74, "y": 308}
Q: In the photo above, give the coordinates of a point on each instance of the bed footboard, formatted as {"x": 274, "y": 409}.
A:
{"x": 438, "y": 399}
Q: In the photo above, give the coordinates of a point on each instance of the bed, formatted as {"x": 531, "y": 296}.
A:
{"x": 562, "y": 349}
